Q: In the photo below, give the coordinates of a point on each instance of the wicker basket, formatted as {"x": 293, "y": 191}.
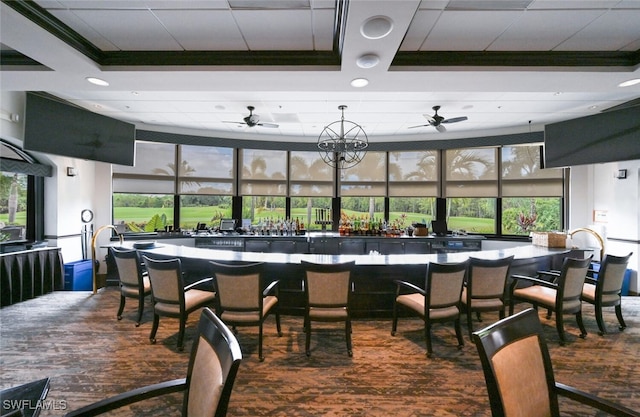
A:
{"x": 549, "y": 240}
{"x": 421, "y": 231}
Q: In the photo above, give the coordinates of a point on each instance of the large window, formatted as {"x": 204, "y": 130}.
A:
{"x": 13, "y": 206}
{"x": 487, "y": 190}
{"x": 532, "y": 196}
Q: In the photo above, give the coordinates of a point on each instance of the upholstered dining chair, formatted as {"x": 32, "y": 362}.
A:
{"x": 437, "y": 302}
{"x": 606, "y": 290}
{"x": 211, "y": 373}
{"x": 328, "y": 290}
{"x": 519, "y": 374}
{"x": 241, "y": 299}
{"x": 485, "y": 287}
{"x": 134, "y": 280}
{"x": 560, "y": 295}
{"x": 171, "y": 298}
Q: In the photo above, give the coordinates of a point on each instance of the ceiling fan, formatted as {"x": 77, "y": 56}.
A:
{"x": 253, "y": 120}
{"x": 437, "y": 121}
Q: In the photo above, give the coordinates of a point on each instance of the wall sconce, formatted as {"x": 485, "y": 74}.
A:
{"x": 72, "y": 171}
{"x": 621, "y": 174}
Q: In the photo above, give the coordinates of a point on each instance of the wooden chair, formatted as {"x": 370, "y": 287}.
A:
{"x": 485, "y": 287}
{"x": 241, "y": 299}
{"x": 213, "y": 366}
{"x": 438, "y": 302}
{"x": 171, "y": 298}
{"x": 607, "y": 289}
{"x": 561, "y": 295}
{"x": 134, "y": 280}
{"x": 328, "y": 289}
{"x": 519, "y": 374}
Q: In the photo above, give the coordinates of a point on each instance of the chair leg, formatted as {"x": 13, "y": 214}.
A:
{"x": 260, "y": 356}
{"x": 560, "y": 328}
{"x": 623, "y": 325}
{"x": 394, "y": 323}
{"x": 278, "y": 327}
{"x": 427, "y": 335}
{"x": 583, "y": 330}
{"x": 307, "y": 329}
{"x": 459, "y": 333}
{"x": 140, "y": 310}
{"x": 600, "y": 320}
{"x": 121, "y": 308}
{"x": 478, "y": 316}
{"x": 154, "y": 328}
{"x": 347, "y": 329}
{"x": 181, "y": 333}
{"x": 470, "y": 322}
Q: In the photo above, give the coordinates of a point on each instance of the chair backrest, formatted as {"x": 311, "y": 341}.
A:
{"x": 214, "y": 362}
{"x": 165, "y": 276}
{"x": 517, "y": 343}
{"x": 611, "y": 274}
{"x": 443, "y": 284}
{"x": 328, "y": 285}
{"x": 238, "y": 286}
{"x": 570, "y": 282}
{"x": 487, "y": 278}
{"x": 129, "y": 265}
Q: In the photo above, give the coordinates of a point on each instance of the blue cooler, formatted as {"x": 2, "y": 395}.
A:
{"x": 78, "y": 276}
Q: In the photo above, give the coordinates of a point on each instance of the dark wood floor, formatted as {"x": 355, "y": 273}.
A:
{"x": 75, "y": 339}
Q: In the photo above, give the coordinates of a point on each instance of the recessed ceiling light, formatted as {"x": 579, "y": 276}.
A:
{"x": 97, "y": 81}
{"x": 593, "y": 107}
{"x": 135, "y": 93}
{"x": 376, "y": 27}
{"x": 629, "y": 83}
{"x": 359, "y": 82}
{"x": 368, "y": 61}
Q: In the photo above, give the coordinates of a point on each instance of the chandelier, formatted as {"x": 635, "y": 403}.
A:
{"x": 342, "y": 144}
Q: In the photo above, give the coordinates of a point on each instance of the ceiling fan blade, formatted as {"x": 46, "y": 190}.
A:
{"x": 429, "y": 118}
{"x": 441, "y": 128}
{"x": 412, "y": 127}
{"x": 268, "y": 125}
{"x": 454, "y": 119}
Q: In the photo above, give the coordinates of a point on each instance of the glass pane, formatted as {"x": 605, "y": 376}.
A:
{"x": 152, "y": 158}
{"x": 523, "y": 162}
{"x": 520, "y": 216}
{"x": 13, "y": 206}
{"x": 413, "y": 166}
{"x": 309, "y": 166}
{"x": 363, "y": 190}
{"x": 262, "y": 208}
{"x": 412, "y": 189}
{"x": 142, "y": 212}
{"x": 160, "y": 185}
{"x": 412, "y": 210}
{"x": 473, "y": 215}
{"x": 305, "y": 210}
{"x": 206, "y": 162}
{"x": 471, "y": 164}
{"x": 372, "y": 168}
{"x": 263, "y": 188}
{"x": 204, "y": 187}
{"x": 261, "y": 164}
{"x": 310, "y": 189}
{"x": 209, "y": 209}
{"x": 533, "y": 188}
{"x": 362, "y": 208}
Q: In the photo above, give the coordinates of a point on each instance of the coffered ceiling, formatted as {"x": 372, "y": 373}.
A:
{"x": 509, "y": 66}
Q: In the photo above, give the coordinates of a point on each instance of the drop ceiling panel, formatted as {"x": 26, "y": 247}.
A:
{"x": 130, "y": 30}
{"x": 323, "y": 21}
{"x": 203, "y": 30}
{"x": 615, "y": 30}
{"x": 544, "y": 30}
{"x": 419, "y": 28}
{"x": 139, "y": 4}
{"x": 85, "y": 30}
{"x": 276, "y": 29}
{"x": 480, "y": 30}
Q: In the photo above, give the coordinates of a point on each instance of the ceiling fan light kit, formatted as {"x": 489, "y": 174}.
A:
{"x": 343, "y": 144}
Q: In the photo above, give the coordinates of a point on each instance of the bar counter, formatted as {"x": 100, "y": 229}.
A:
{"x": 373, "y": 286}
